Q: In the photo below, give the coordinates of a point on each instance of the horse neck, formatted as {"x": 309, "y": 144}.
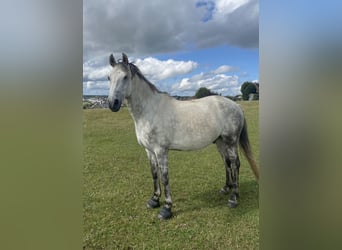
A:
{"x": 143, "y": 99}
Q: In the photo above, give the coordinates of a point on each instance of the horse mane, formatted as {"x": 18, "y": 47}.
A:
{"x": 136, "y": 72}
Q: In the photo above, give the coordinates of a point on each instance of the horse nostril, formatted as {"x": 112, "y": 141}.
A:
{"x": 116, "y": 102}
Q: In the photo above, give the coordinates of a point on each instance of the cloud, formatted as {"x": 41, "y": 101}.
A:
{"x": 225, "y": 7}
{"x": 224, "y": 69}
{"x": 157, "y": 70}
{"x": 95, "y": 87}
{"x": 233, "y": 23}
{"x": 153, "y": 68}
{"x": 220, "y": 83}
{"x": 96, "y": 69}
{"x": 95, "y": 72}
{"x": 142, "y": 28}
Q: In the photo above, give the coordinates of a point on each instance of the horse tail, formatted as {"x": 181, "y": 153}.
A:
{"x": 246, "y": 146}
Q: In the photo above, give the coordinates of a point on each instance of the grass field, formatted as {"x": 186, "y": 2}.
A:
{"x": 118, "y": 183}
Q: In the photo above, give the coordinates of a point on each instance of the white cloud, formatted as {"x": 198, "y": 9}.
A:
{"x": 95, "y": 74}
{"x": 152, "y": 68}
{"x": 156, "y": 70}
{"x": 96, "y": 69}
{"x": 161, "y": 73}
{"x": 220, "y": 83}
{"x": 224, "y": 7}
{"x": 215, "y": 80}
{"x": 96, "y": 85}
{"x": 224, "y": 69}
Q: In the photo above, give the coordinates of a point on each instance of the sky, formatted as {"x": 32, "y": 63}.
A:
{"x": 178, "y": 45}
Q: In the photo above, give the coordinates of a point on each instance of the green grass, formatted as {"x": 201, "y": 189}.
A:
{"x": 118, "y": 183}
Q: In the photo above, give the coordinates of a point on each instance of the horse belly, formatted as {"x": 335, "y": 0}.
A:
{"x": 196, "y": 125}
{"x": 189, "y": 145}
{"x": 193, "y": 138}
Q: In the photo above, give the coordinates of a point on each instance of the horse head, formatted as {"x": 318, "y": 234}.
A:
{"x": 120, "y": 78}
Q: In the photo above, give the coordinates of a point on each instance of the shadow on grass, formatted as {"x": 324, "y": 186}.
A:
{"x": 212, "y": 199}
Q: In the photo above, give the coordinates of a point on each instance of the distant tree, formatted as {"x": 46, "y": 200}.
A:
{"x": 231, "y": 97}
{"x": 202, "y": 92}
{"x": 248, "y": 88}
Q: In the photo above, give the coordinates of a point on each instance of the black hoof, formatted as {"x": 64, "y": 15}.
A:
{"x": 153, "y": 203}
{"x": 164, "y": 213}
{"x": 232, "y": 203}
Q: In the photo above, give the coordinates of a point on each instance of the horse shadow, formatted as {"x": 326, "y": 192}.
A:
{"x": 213, "y": 198}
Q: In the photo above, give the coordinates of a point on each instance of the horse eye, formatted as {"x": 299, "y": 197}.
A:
{"x": 108, "y": 78}
{"x": 126, "y": 77}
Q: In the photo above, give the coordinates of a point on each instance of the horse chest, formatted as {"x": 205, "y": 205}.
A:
{"x": 142, "y": 139}
{"x": 148, "y": 136}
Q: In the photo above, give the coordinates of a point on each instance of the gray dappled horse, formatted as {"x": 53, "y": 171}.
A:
{"x": 163, "y": 123}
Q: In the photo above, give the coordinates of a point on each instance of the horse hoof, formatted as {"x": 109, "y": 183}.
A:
{"x": 164, "y": 213}
{"x": 232, "y": 203}
{"x": 153, "y": 203}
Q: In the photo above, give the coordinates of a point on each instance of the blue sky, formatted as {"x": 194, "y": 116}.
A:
{"x": 178, "y": 47}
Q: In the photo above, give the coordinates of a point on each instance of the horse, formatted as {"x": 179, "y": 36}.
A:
{"x": 163, "y": 123}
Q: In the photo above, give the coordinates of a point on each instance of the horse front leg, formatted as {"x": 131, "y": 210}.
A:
{"x": 154, "y": 201}
{"x": 165, "y": 211}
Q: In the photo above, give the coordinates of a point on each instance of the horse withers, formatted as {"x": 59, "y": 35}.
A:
{"x": 163, "y": 123}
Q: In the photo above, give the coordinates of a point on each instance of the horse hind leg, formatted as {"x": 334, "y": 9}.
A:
{"x": 222, "y": 147}
{"x": 234, "y": 175}
{"x": 229, "y": 152}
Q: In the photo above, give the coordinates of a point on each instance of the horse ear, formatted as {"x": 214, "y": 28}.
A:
{"x": 112, "y": 60}
{"x": 124, "y": 58}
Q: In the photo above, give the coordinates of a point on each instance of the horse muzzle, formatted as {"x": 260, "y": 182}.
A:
{"x": 115, "y": 105}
